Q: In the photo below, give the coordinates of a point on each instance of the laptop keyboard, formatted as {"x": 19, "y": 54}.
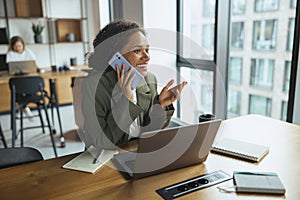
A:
{"x": 130, "y": 164}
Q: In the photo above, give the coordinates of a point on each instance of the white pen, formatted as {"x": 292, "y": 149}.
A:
{"x": 97, "y": 160}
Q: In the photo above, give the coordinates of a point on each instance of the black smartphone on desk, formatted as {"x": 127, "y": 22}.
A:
{"x": 119, "y": 59}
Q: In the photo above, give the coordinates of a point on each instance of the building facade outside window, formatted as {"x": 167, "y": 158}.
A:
{"x": 198, "y": 27}
{"x": 293, "y": 3}
{"x": 260, "y": 105}
{"x": 207, "y": 40}
{"x": 283, "y": 110}
{"x": 264, "y": 37}
{"x": 266, "y": 64}
{"x": 290, "y": 38}
{"x": 265, "y": 5}
{"x": 286, "y": 76}
{"x": 208, "y": 8}
{"x": 262, "y": 71}
{"x": 234, "y": 103}
{"x": 238, "y": 7}
{"x": 237, "y": 35}
{"x": 235, "y": 70}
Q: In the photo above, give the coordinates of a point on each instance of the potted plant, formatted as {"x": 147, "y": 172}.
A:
{"x": 37, "y": 30}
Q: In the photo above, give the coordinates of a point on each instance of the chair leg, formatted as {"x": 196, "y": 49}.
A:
{"x": 50, "y": 129}
{"x": 54, "y": 102}
{"x": 21, "y": 126}
{"x": 13, "y": 126}
{"x": 41, "y": 118}
{"x": 62, "y": 139}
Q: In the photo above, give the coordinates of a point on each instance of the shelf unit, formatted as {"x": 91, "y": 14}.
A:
{"x": 59, "y": 20}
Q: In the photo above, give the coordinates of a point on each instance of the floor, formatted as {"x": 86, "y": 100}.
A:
{"x": 35, "y": 138}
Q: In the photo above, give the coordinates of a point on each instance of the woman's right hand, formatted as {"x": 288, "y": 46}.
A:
{"x": 124, "y": 81}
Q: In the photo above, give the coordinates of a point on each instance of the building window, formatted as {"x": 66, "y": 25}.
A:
{"x": 286, "y": 76}
{"x": 262, "y": 73}
{"x": 260, "y": 105}
{"x": 234, "y": 103}
{"x": 264, "y": 37}
{"x": 290, "y": 37}
{"x": 283, "y": 110}
{"x": 235, "y": 70}
{"x": 293, "y": 3}
{"x": 238, "y": 7}
{"x": 208, "y": 8}
{"x": 237, "y": 35}
{"x": 265, "y": 5}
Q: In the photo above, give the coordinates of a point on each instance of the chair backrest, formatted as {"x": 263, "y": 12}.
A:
{"x": 19, "y": 155}
{"x": 27, "y": 84}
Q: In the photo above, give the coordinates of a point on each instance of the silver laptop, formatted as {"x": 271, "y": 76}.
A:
{"x": 22, "y": 67}
{"x": 168, "y": 149}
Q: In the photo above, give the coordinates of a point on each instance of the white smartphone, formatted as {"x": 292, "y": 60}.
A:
{"x": 118, "y": 59}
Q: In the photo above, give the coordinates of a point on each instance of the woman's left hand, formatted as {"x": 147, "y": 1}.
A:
{"x": 168, "y": 96}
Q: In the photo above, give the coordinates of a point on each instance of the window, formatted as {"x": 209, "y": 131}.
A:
{"x": 264, "y": 37}
{"x": 198, "y": 31}
{"x": 260, "y": 105}
{"x": 235, "y": 70}
{"x": 283, "y": 110}
{"x": 238, "y": 7}
{"x": 287, "y": 75}
{"x": 197, "y": 97}
{"x": 196, "y": 57}
{"x": 234, "y": 103}
{"x": 264, "y": 61}
{"x": 237, "y": 35}
{"x": 290, "y": 37}
{"x": 266, "y": 5}
{"x": 262, "y": 73}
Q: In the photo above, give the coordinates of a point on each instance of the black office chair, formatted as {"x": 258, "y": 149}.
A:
{"x": 19, "y": 155}
{"x": 25, "y": 90}
{"x": 2, "y": 137}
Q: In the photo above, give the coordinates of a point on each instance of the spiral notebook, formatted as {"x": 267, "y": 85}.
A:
{"x": 240, "y": 149}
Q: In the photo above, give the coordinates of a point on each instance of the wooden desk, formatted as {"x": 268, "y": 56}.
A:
{"x": 47, "y": 180}
{"x": 63, "y": 86}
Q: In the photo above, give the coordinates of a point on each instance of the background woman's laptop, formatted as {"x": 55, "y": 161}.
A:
{"x": 168, "y": 149}
{"x": 19, "y": 67}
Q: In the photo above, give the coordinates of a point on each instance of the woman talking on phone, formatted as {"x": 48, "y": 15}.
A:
{"x": 122, "y": 111}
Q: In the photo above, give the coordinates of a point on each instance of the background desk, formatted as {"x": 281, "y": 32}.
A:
{"x": 47, "y": 180}
{"x": 63, "y": 86}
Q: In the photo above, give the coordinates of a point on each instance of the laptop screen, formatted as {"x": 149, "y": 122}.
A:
{"x": 28, "y": 66}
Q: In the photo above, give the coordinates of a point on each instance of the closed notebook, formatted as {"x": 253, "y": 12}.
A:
{"x": 86, "y": 161}
{"x": 258, "y": 182}
{"x": 244, "y": 150}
